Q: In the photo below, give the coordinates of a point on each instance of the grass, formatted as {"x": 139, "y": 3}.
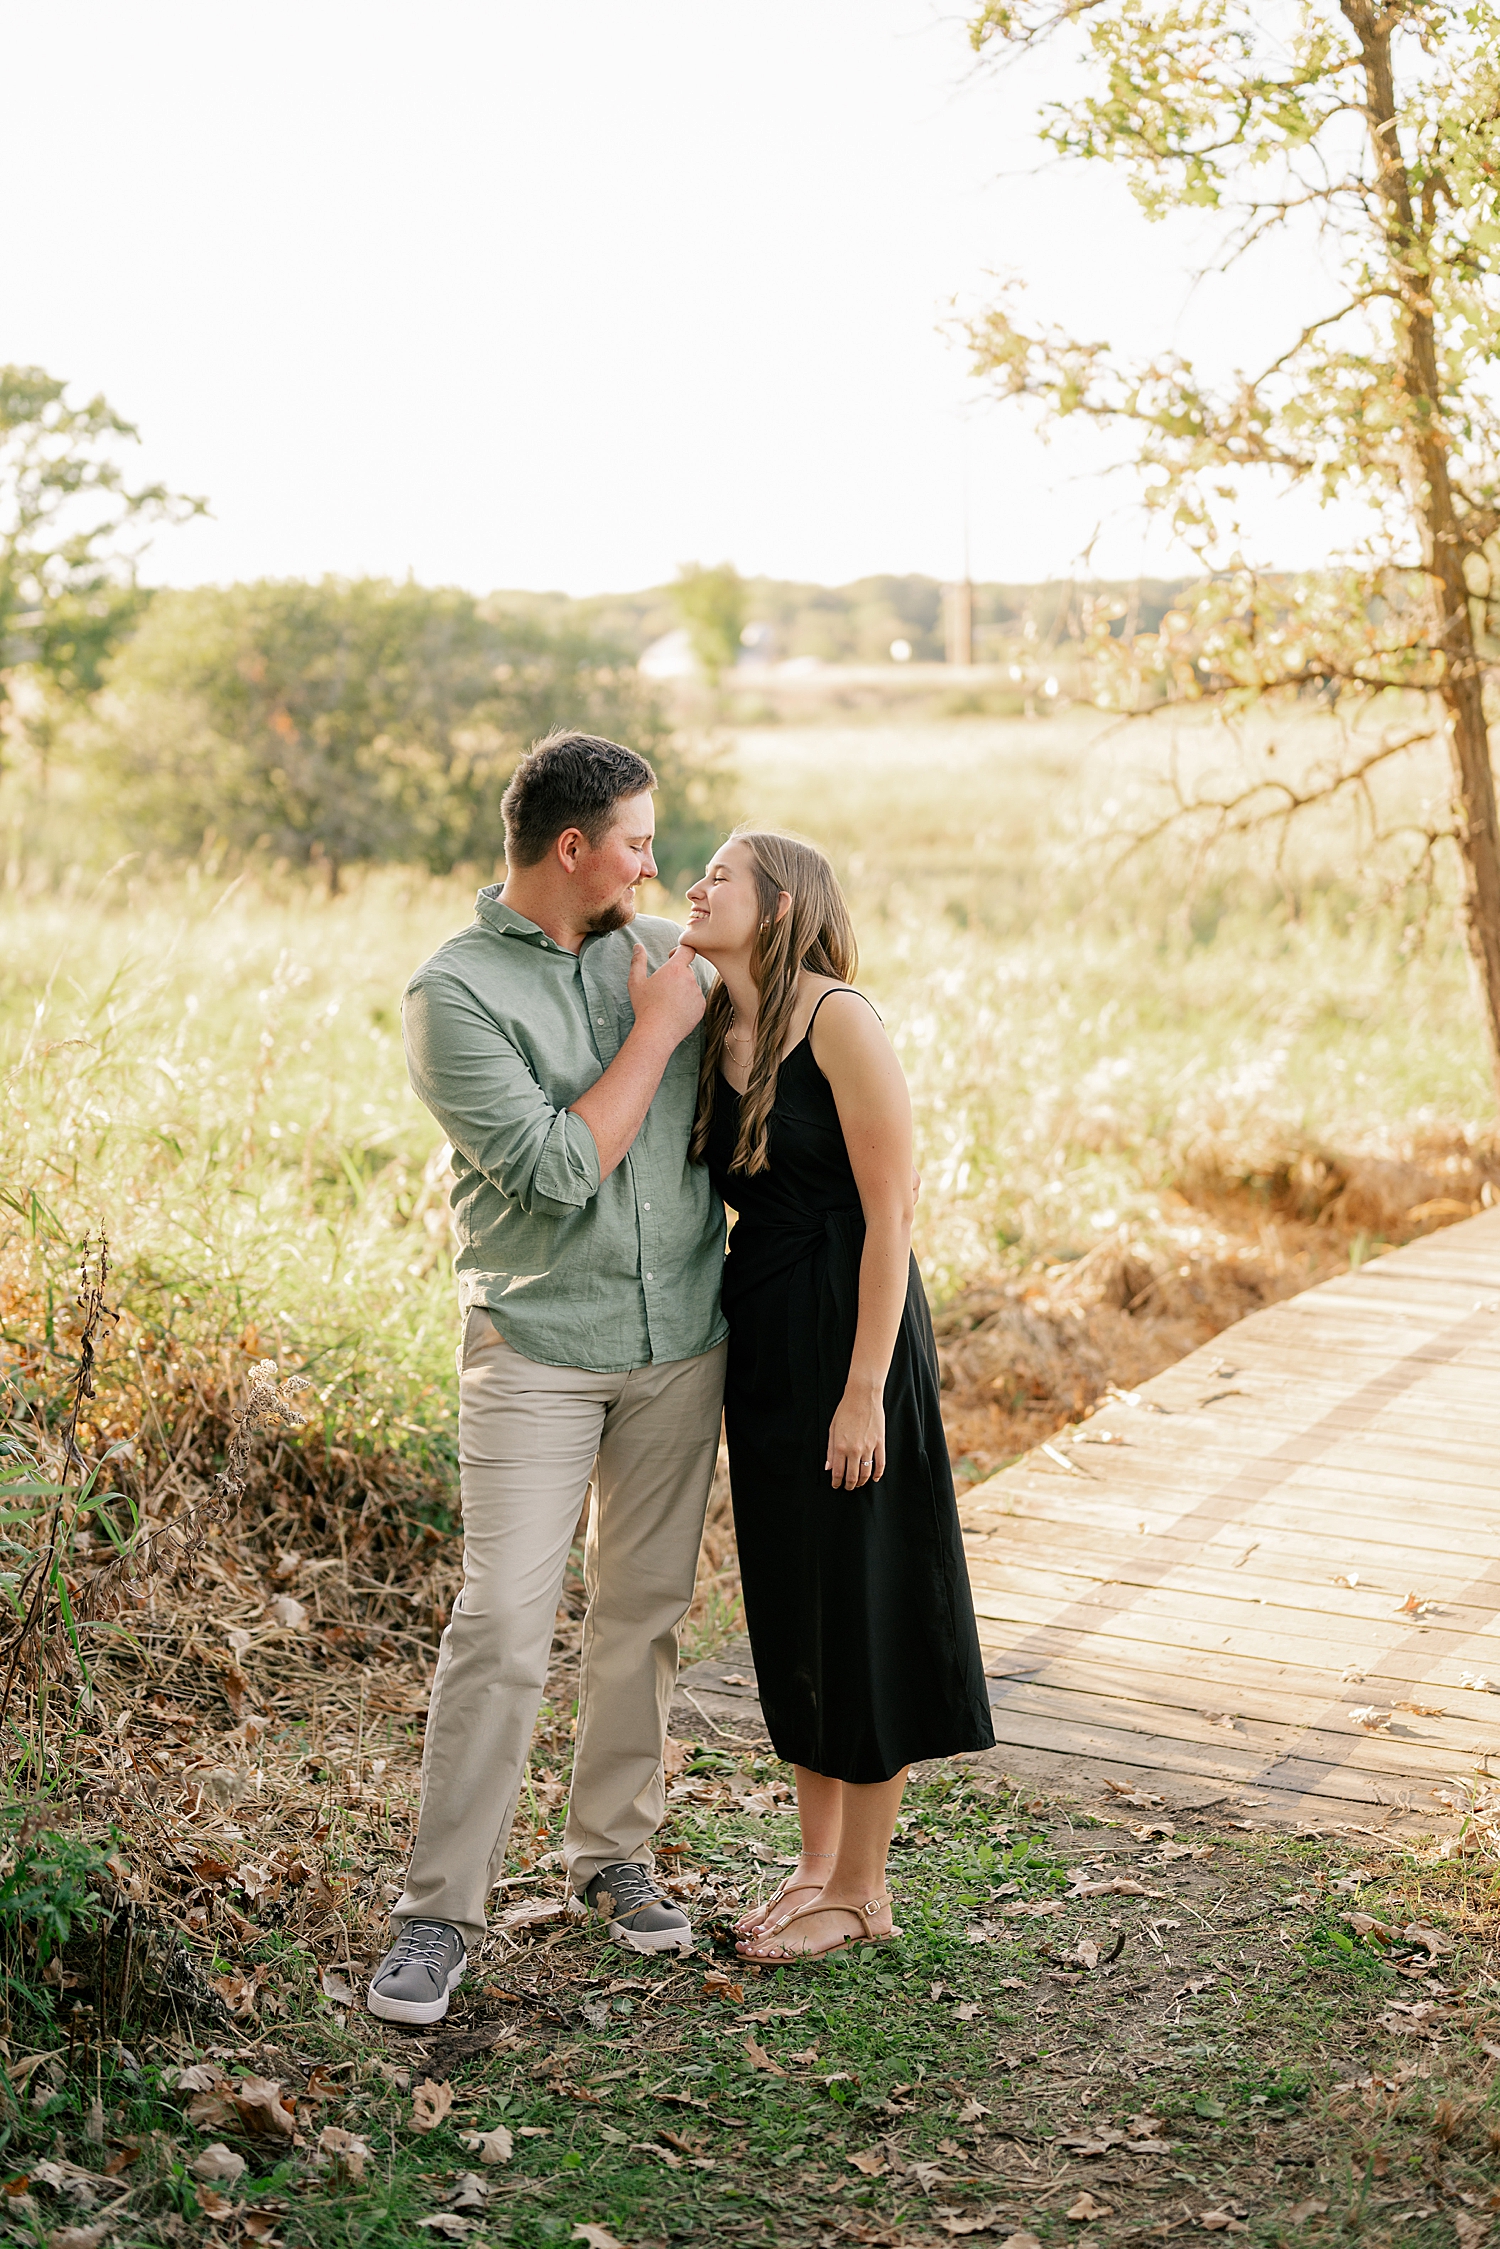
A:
{"x": 1212, "y": 2046}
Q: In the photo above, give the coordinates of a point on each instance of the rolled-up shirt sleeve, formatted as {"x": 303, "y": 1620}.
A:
{"x": 470, "y": 1076}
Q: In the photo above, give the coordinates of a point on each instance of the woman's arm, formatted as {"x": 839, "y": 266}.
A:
{"x": 874, "y": 1107}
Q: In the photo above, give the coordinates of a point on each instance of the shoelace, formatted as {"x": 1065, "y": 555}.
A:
{"x": 632, "y": 1887}
{"x": 422, "y": 1944}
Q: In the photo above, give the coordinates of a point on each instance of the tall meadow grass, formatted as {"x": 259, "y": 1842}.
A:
{"x": 211, "y": 1070}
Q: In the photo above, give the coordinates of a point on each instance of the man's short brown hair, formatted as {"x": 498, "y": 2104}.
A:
{"x": 567, "y": 781}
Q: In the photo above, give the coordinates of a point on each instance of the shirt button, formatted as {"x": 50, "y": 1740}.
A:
{"x": 645, "y": 1206}
{"x": 651, "y": 1276}
{"x": 598, "y": 1018}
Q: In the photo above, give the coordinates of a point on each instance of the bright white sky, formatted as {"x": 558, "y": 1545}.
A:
{"x": 511, "y": 294}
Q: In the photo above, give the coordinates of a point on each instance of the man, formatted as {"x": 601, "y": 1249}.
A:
{"x": 555, "y": 1041}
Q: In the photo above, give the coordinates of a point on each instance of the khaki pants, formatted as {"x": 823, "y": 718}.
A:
{"x": 531, "y": 1438}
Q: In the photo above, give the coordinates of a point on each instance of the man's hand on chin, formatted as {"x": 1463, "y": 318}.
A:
{"x": 671, "y": 1000}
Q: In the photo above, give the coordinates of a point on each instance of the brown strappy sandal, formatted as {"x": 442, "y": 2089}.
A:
{"x": 786, "y": 1888}
{"x": 861, "y": 1914}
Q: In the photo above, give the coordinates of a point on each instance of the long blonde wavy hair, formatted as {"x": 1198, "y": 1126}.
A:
{"x": 816, "y": 933}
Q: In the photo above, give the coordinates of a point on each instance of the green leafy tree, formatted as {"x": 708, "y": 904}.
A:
{"x": 358, "y": 720}
{"x": 1363, "y": 135}
{"x": 713, "y": 604}
{"x": 72, "y": 528}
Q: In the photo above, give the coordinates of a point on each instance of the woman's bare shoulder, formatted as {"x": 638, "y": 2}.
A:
{"x": 847, "y": 1021}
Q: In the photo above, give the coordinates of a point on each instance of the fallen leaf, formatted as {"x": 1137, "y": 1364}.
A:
{"x": 284, "y": 1610}
{"x": 1371, "y": 1717}
{"x": 1020, "y": 2241}
{"x": 494, "y": 2146}
{"x": 20, "y": 2072}
{"x": 972, "y": 2111}
{"x": 967, "y": 2011}
{"x": 596, "y": 2237}
{"x": 1415, "y": 1605}
{"x": 197, "y": 2078}
{"x": 83, "y": 2237}
{"x": 760, "y": 2059}
{"x": 1140, "y": 1801}
{"x": 927, "y": 2175}
{"x": 258, "y": 2103}
{"x": 260, "y": 2226}
{"x": 335, "y": 1988}
{"x": 449, "y": 2222}
{"x": 347, "y": 2148}
{"x": 1093, "y": 2143}
{"x": 870, "y": 2161}
{"x": 1225, "y": 1718}
{"x": 1471, "y": 2231}
{"x": 529, "y": 1910}
{"x": 1170, "y": 1851}
{"x": 1086, "y": 2207}
{"x": 807, "y": 2055}
{"x": 1431, "y": 1940}
{"x": 1117, "y": 1886}
{"x": 120, "y": 2161}
{"x": 534, "y": 2131}
{"x": 218, "y": 2162}
{"x": 1300, "y": 2212}
{"x": 1150, "y": 1829}
{"x": 1423, "y": 1709}
{"x": 213, "y": 2205}
{"x": 950, "y": 2224}
{"x": 1222, "y": 2221}
{"x": 469, "y": 2191}
{"x": 430, "y": 2103}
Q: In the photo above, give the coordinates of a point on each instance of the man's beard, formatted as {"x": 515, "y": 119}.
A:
{"x": 612, "y": 917}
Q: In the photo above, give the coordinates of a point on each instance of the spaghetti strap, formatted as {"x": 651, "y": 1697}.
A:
{"x": 870, "y": 1004}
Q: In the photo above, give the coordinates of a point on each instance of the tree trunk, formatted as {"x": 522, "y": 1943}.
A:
{"x": 1461, "y": 685}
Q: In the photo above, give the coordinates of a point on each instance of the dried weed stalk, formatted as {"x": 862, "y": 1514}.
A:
{"x": 45, "y": 1575}
{"x": 163, "y": 1552}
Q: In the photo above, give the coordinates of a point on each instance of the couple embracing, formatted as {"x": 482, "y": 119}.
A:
{"x": 606, "y": 1095}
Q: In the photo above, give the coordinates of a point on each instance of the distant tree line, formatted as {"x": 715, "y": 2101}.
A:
{"x": 853, "y": 624}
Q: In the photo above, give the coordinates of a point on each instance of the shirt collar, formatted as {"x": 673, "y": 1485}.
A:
{"x": 506, "y": 922}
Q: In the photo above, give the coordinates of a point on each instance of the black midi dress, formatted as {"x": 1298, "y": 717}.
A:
{"x": 857, "y": 1602}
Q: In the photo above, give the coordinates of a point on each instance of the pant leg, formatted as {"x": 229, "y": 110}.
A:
{"x": 528, "y": 1436}
{"x": 656, "y": 1463}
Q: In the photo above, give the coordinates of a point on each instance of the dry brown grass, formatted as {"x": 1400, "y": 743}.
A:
{"x": 1020, "y": 1360}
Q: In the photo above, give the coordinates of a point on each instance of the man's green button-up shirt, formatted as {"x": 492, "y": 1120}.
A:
{"x": 504, "y": 1030}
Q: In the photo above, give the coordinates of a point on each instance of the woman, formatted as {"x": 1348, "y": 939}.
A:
{"x": 856, "y": 1594}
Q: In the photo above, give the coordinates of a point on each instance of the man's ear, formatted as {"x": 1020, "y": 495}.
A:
{"x": 570, "y": 848}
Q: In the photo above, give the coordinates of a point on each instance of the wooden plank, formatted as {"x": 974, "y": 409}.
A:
{"x": 1462, "y": 1592}
{"x": 1267, "y": 1742}
{"x": 1407, "y": 1671}
{"x": 1276, "y": 1538}
{"x": 1278, "y": 1695}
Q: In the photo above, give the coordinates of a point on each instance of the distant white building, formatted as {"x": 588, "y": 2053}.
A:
{"x": 671, "y": 657}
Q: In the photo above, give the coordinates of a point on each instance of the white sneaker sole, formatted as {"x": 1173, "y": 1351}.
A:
{"x": 415, "y": 2010}
{"x": 651, "y": 1940}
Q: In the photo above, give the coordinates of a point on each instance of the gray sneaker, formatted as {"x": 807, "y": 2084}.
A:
{"x": 630, "y": 1899}
{"x": 413, "y": 1981}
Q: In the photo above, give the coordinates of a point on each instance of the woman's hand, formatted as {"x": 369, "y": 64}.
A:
{"x": 856, "y": 1439}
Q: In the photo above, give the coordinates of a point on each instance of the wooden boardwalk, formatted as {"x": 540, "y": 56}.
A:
{"x": 1268, "y": 1574}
